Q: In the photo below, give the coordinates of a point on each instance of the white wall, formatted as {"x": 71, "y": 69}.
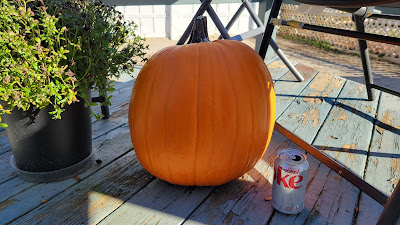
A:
{"x": 171, "y": 20}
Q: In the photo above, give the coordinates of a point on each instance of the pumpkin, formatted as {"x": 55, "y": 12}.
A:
{"x": 203, "y": 113}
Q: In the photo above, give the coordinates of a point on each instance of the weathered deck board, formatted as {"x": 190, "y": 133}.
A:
{"x": 307, "y": 112}
{"x": 159, "y": 203}
{"x": 243, "y": 201}
{"x": 336, "y": 205}
{"x": 120, "y": 100}
{"x": 108, "y": 147}
{"x": 346, "y": 133}
{"x": 287, "y": 87}
{"x": 6, "y": 171}
{"x": 328, "y": 209}
{"x": 383, "y": 167}
{"x": 277, "y": 69}
{"x": 4, "y": 145}
{"x": 92, "y": 199}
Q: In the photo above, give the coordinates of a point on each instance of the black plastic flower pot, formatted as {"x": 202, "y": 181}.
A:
{"x": 48, "y": 150}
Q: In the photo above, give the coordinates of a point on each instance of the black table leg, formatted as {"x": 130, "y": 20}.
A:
{"x": 269, "y": 29}
{"x": 359, "y": 21}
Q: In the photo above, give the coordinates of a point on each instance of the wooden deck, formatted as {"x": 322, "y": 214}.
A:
{"x": 328, "y": 111}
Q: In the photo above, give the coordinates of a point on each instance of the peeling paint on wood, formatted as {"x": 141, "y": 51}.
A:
{"x": 395, "y": 171}
{"x": 350, "y": 121}
{"x": 287, "y": 87}
{"x": 383, "y": 168}
{"x": 6, "y": 203}
{"x": 386, "y": 119}
{"x": 277, "y": 69}
{"x": 304, "y": 117}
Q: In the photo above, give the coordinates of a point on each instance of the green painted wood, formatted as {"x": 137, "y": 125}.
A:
{"x": 108, "y": 148}
{"x": 91, "y": 200}
{"x": 346, "y": 133}
{"x": 277, "y": 69}
{"x": 287, "y": 87}
{"x": 383, "y": 167}
{"x": 242, "y": 201}
{"x": 308, "y": 111}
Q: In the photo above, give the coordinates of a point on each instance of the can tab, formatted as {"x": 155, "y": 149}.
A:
{"x": 296, "y": 158}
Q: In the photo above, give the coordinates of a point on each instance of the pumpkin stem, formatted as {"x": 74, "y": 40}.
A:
{"x": 199, "y": 31}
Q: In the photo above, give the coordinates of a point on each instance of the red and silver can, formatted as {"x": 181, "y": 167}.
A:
{"x": 290, "y": 181}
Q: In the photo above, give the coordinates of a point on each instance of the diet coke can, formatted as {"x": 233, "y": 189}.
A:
{"x": 290, "y": 181}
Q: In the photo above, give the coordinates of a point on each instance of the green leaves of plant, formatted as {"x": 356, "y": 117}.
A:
{"x": 31, "y": 72}
{"x": 51, "y": 54}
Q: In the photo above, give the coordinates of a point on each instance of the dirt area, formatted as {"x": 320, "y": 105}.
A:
{"x": 385, "y": 73}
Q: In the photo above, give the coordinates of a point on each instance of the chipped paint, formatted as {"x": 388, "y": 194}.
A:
{"x": 313, "y": 100}
{"x": 276, "y": 65}
{"x": 395, "y": 171}
{"x": 369, "y": 108}
{"x": 312, "y": 115}
{"x": 8, "y": 202}
{"x": 379, "y": 141}
{"x": 352, "y": 156}
{"x": 386, "y": 119}
{"x": 337, "y": 155}
{"x": 320, "y": 85}
{"x": 343, "y": 117}
{"x": 321, "y": 82}
{"x": 323, "y": 85}
{"x": 346, "y": 148}
{"x": 336, "y": 84}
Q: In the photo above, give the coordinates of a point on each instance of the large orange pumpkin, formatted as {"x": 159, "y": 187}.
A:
{"x": 203, "y": 113}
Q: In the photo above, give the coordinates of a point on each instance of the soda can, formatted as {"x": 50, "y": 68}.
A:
{"x": 290, "y": 181}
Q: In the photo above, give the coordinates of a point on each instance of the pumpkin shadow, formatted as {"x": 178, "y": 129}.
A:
{"x": 140, "y": 197}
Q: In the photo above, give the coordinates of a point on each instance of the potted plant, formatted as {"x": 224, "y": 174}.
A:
{"x": 51, "y": 55}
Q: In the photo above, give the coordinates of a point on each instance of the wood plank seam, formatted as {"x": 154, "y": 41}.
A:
{"x": 368, "y": 155}
{"x": 333, "y": 103}
{"x": 294, "y": 98}
{"x": 76, "y": 183}
{"x": 195, "y": 209}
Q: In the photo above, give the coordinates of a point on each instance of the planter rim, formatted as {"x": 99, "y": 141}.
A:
{"x": 55, "y": 175}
